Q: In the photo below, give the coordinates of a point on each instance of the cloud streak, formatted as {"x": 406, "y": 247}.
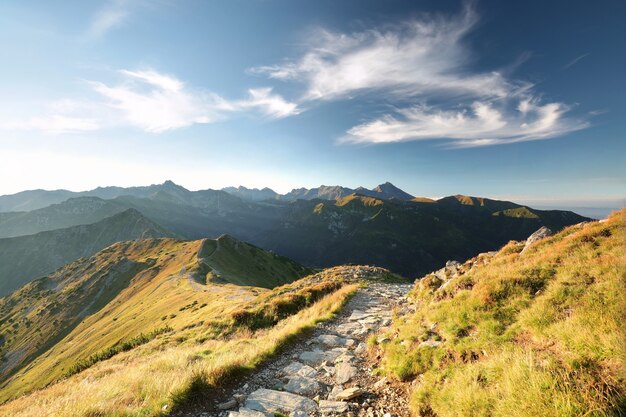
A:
{"x": 415, "y": 58}
{"x": 424, "y": 60}
{"x": 481, "y": 124}
{"x": 111, "y": 15}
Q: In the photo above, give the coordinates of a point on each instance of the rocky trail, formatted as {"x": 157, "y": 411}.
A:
{"x": 328, "y": 373}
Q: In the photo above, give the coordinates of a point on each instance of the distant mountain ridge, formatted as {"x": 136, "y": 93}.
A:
{"x": 24, "y": 258}
{"x": 37, "y": 199}
{"x": 320, "y": 227}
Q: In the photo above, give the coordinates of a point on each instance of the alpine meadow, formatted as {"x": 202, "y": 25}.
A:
{"x": 168, "y": 247}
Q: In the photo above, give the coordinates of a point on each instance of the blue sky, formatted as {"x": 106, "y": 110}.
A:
{"x": 515, "y": 100}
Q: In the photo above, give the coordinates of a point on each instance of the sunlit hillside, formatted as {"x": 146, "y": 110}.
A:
{"x": 127, "y": 294}
{"x": 533, "y": 333}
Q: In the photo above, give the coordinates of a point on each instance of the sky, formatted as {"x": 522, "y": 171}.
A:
{"x": 513, "y": 100}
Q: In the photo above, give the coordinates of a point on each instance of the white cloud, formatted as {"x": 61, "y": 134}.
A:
{"x": 272, "y": 105}
{"x": 481, "y": 124}
{"x": 54, "y": 124}
{"x": 415, "y": 58}
{"x": 423, "y": 60}
{"x": 110, "y": 16}
{"x": 156, "y": 102}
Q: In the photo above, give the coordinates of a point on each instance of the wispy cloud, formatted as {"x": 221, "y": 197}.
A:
{"x": 574, "y": 61}
{"x": 481, "y": 124}
{"x": 156, "y": 102}
{"x": 271, "y": 105}
{"x": 414, "y": 58}
{"x": 424, "y": 60}
{"x": 151, "y": 101}
{"x": 113, "y": 14}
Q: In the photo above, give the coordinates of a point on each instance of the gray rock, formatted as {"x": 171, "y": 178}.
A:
{"x": 327, "y": 407}
{"x": 296, "y": 368}
{"x": 246, "y": 412}
{"x": 350, "y": 393}
{"x": 540, "y": 234}
{"x": 271, "y": 401}
{"x": 331, "y": 340}
{"x": 430, "y": 343}
{"x": 345, "y": 372}
{"x": 332, "y": 395}
{"x": 303, "y": 385}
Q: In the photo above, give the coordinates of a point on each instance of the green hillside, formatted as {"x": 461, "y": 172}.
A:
{"x": 124, "y": 291}
{"x": 24, "y": 258}
{"x": 538, "y": 333}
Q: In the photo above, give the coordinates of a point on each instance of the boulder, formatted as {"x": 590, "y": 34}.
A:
{"x": 540, "y": 234}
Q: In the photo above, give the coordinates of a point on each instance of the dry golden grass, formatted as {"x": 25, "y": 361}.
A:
{"x": 141, "y": 382}
{"x": 534, "y": 334}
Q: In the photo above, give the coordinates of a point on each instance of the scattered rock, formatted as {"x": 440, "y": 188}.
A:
{"x": 350, "y": 393}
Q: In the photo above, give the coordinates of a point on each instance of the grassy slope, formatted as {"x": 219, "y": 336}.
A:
{"x": 177, "y": 368}
{"x": 222, "y": 259}
{"x": 537, "y": 334}
{"x": 123, "y": 291}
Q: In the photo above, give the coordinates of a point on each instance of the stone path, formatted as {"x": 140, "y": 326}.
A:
{"x": 330, "y": 372}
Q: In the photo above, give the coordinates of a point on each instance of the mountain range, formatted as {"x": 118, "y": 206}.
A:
{"x": 320, "y": 227}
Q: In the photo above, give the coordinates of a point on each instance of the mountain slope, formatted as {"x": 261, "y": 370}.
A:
{"x": 128, "y": 289}
{"x": 410, "y": 238}
{"x": 25, "y": 257}
{"x": 533, "y": 333}
{"x": 72, "y": 212}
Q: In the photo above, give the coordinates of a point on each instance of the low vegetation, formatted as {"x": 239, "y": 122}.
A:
{"x": 539, "y": 333}
{"x": 121, "y": 346}
{"x": 152, "y": 379}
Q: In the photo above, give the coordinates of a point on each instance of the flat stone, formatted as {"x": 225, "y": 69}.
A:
{"x": 312, "y": 357}
{"x": 345, "y": 372}
{"x": 246, "y": 412}
{"x": 345, "y": 357}
{"x": 327, "y": 407}
{"x": 303, "y": 385}
{"x": 331, "y": 340}
{"x": 300, "y": 414}
{"x": 270, "y": 401}
{"x": 357, "y": 315}
{"x": 350, "y": 393}
{"x": 297, "y": 368}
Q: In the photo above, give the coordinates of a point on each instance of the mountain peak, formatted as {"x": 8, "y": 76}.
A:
{"x": 389, "y": 191}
